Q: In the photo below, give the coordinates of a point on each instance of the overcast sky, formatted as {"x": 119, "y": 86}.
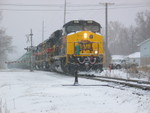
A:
{"x": 19, "y": 16}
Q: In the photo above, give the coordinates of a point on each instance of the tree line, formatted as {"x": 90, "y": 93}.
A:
{"x": 5, "y": 46}
{"x": 124, "y": 40}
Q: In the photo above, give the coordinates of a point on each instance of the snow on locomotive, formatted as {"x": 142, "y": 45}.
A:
{"x": 78, "y": 46}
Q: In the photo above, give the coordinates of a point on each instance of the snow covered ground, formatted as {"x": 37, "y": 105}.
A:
{"x": 22, "y": 91}
{"x": 120, "y": 73}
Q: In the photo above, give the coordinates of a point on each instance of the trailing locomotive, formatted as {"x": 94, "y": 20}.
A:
{"x": 78, "y": 46}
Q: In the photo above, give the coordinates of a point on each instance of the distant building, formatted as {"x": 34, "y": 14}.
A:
{"x": 145, "y": 52}
{"x": 134, "y": 58}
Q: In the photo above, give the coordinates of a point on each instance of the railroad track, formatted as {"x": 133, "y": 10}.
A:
{"x": 145, "y": 85}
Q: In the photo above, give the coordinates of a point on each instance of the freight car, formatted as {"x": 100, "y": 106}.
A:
{"x": 78, "y": 46}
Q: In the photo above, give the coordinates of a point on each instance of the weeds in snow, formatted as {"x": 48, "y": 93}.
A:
{"x": 128, "y": 73}
{"x": 3, "y": 107}
{"x": 0, "y": 105}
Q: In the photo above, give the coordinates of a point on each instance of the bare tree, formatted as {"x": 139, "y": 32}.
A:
{"x": 118, "y": 38}
{"x": 124, "y": 40}
{"x": 5, "y": 46}
{"x": 143, "y": 26}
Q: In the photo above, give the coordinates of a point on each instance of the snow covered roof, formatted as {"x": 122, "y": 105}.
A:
{"x": 144, "y": 42}
{"x": 118, "y": 57}
{"x": 134, "y": 55}
{"x": 121, "y": 57}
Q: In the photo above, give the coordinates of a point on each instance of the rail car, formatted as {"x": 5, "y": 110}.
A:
{"x": 78, "y": 46}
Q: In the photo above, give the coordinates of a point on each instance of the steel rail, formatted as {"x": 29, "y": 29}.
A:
{"x": 126, "y": 82}
{"x": 130, "y": 80}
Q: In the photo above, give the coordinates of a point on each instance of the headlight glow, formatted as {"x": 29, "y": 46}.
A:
{"x": 96, "y": 52}
{"x": 85, "y": 35}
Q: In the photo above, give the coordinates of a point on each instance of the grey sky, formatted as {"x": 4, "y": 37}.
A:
{"x": 18, "y": 23}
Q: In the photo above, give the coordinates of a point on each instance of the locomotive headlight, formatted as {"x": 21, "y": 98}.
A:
{"x": 85, "y": 35}
{"x": 96, "y": 52}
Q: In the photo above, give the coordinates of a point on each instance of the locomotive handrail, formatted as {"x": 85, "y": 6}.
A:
{"x": 79, "y": 42}
{"x": 88, "y": 54}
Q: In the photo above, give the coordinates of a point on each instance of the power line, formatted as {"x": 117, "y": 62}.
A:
{"x": 132, "y": 4}
{"x": 70, "y": 5}
{"x": 93, "y": 5}
{"x": 29, "y": 5}
{"x": 62, "y": 10}
{"x": 29, "y": 10}
{"x": 114, "y": 7}
{"x": 128, "y": 7}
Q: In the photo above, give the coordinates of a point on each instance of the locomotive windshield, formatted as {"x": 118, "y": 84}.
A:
{"x": 74, "y": 26}
{"x": 92, "y": 28}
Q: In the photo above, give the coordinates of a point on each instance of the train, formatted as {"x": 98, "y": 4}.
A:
{"x": 78, "y": 46}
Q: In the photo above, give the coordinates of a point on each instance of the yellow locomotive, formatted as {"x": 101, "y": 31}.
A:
{"x": 78, "y": 46}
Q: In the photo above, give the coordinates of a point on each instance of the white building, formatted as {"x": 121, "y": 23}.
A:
{"x": 133, "y": 58}
{"x": 145, "y": 52}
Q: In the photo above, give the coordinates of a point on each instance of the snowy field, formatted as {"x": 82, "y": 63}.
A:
{"x": 22, "y": 91}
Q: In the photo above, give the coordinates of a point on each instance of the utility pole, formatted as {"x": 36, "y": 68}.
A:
{"x": 65, "y": 12}
{"x": 106, "y": 28}
{"x": 106, "y": 23}
{"x": 31, "y": 50}
{"x": 42, "y": 31}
